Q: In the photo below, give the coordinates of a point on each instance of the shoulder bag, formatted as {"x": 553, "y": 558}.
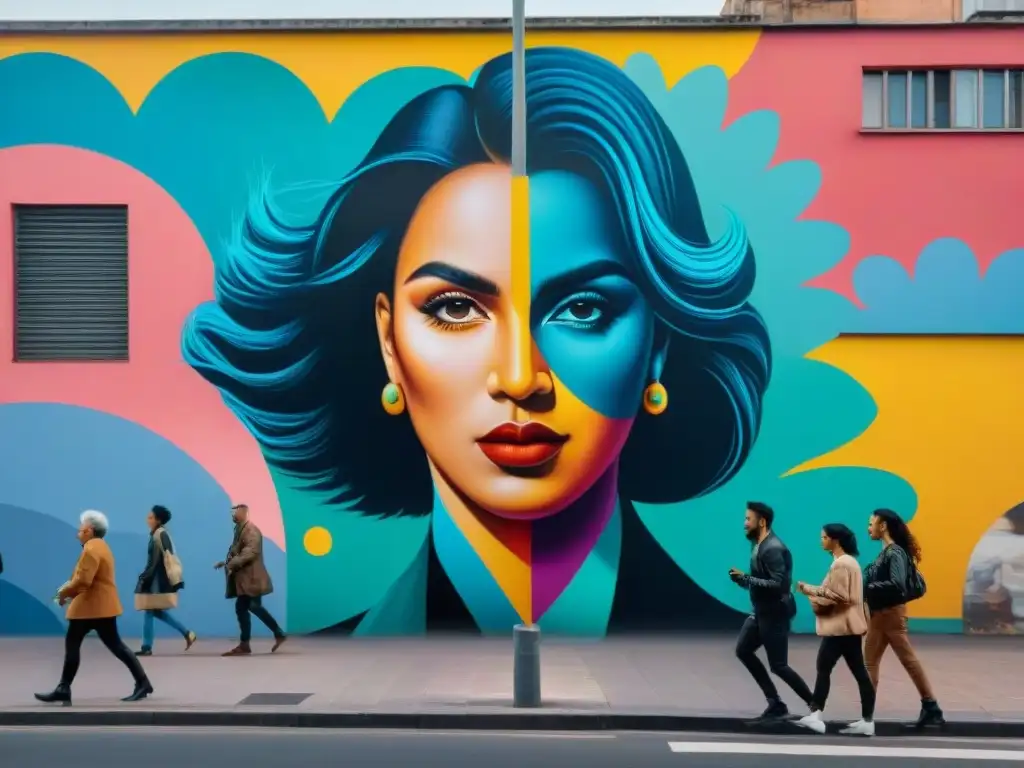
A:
{"x": 915, "y": 588}
{"x": 172, "y": 563}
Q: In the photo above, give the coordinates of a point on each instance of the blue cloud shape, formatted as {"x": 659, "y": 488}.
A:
{"x": 946, "y": 294}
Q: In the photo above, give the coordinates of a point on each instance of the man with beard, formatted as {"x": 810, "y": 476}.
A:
{"x": 769, "y": 583}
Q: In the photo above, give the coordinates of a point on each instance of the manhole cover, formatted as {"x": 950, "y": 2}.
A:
{"x": 273, "y": 699}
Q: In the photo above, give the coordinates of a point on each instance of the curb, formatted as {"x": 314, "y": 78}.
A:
{"x": 490, "y": 721}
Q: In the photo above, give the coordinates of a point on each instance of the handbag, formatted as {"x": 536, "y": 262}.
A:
{"x": 823, "y": 610}
{"x": 915, "y": 587}
{"x": 161, "y": 602}
{"x": 172, "y": 563}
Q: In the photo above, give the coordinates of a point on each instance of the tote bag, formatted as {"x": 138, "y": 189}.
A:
{"x": 172, "y": 563}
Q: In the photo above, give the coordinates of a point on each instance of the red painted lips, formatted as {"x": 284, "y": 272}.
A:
{"x": 521, "y": 445}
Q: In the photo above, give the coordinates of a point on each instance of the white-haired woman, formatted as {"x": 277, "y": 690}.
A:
{"x": 94, "y": 605}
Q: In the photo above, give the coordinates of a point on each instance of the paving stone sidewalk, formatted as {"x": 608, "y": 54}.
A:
{"x": 649, "y": 683}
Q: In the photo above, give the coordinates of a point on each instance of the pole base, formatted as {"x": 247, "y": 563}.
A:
{"x": 526, "y": 666}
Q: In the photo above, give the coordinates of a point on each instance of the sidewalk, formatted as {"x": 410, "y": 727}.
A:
{"x": 654, "y": 683}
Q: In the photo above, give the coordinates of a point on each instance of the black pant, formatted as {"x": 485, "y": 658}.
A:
{"x": 107, "y": 630}
{"x": 772, "y": 632}
{"x": 849, "y": 648}
{"x": 244, "y": 605}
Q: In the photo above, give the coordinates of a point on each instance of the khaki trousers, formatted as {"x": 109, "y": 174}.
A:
{"x": 888, "y": 628}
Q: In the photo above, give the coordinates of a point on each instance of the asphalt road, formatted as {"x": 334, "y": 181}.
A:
{"x": 83, "y": 747}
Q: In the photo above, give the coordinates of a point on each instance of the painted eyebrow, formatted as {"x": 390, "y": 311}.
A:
{"x": 556, "y": 287}
{"x": 452, "y": 274}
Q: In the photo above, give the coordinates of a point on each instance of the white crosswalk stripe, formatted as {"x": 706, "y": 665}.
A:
{"x": 834, "y": 750}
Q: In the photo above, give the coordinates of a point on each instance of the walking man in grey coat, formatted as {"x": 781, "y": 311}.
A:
{"x": 248, "y": 581}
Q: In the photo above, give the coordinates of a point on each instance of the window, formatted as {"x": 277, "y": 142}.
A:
{"x": 945, "y": 99}
{"x": 70, "y": 282}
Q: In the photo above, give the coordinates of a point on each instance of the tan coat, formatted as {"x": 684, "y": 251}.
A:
{"x": 92, "y": 586}
{"x": 839, "y": 602}
{"x": 246, "y": 573}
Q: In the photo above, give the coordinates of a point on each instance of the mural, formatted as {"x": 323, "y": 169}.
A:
{"x": 994, "y": 593}
{"x": 455, "y": 400}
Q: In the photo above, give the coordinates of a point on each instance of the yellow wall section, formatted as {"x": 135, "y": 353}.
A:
{"x": 333, "y": 65}
{"x": 520, "y": 250}
{"x": 951, "y": 423}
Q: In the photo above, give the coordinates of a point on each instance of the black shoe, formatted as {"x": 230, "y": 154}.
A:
{"x": 144, "y": 651}
{"x": 776, "y": 712}
{"x": 142, "y": 690}
{"x": 931, "y": 717}
{"x": 59, "y": 695}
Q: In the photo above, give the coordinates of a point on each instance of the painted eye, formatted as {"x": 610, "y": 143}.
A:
{"x": 584, "y": 310}
{"x": 581, "y": 312}
{"x": 454, "y": 310}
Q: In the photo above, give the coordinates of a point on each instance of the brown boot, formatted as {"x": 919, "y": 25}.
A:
{"x": 242, "y": 649}
{"x": 278, "y": 642}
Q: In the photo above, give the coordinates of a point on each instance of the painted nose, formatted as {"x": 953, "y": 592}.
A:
{"x": 521, "y": 372}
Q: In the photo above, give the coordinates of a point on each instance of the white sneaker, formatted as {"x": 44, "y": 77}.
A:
{"x": 860, "y": 728}
{"x": 812, "y": 722}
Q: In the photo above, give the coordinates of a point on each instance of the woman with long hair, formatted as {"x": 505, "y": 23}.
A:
{"x": 841, "y": 621}
{"x": 891, "y": 581}
{"x": 443, "y": 340}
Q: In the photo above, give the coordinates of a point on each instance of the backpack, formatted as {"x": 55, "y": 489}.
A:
{"x": 172, "y": 564}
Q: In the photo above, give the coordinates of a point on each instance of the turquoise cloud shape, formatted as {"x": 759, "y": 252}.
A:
{"x": 947, "y": 293}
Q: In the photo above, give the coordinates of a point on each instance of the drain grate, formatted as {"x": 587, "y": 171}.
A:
{"x": 273, "y": 699}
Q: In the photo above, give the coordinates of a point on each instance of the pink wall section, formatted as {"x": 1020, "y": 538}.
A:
{"x": 170, "y": 273}
{"x": 893, "y": 193}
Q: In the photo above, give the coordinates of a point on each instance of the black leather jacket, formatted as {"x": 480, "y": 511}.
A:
{"x": 771, "y": 578}
{"x": 885, "y": 579}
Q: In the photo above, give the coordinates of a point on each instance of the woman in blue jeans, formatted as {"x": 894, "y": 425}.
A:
{"x": 155, "y": 595}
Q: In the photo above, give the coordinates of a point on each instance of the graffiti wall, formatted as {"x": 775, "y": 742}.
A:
{"x": 457, "y": 400}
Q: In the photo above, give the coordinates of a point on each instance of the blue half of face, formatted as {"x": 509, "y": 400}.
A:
{"x": 588, "y": 315}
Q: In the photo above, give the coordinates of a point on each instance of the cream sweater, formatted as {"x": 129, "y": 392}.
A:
{"x": 839, "y": 602}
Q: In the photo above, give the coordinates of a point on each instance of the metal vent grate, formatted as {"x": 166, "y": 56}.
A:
{"x": 71, "y": 282}
{"x": 273, "y": 699}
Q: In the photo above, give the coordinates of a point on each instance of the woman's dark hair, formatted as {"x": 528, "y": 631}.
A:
{"x": 900, "y": 533}
{"x": 162, "y": 514}
{"x": 291, "y": 340}
{"x": 843, "y": 536}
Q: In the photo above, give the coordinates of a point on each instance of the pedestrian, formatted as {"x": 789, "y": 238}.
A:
{"x": 841, "y": 620}
{"x": 94, "y": 606}
{"x": 769, "y": 582}
{"x": 892, "y": 581}
{"x": 159, "y": 583}
{"x": 248, "y": 581}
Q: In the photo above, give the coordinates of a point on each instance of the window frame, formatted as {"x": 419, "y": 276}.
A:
{"x": 930, "y": 127}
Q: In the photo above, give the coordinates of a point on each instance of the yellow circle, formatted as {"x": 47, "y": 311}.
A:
{"x": 317, "y": 541}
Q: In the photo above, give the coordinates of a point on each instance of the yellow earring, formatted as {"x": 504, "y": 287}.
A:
{"x": 393, "y": 399}
{"x": 655, "y": 398}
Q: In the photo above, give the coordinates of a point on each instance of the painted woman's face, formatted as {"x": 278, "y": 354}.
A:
{"x": 522, "y": 367}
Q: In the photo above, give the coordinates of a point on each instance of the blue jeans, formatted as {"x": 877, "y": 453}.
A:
{"x": 166, "y": 618}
